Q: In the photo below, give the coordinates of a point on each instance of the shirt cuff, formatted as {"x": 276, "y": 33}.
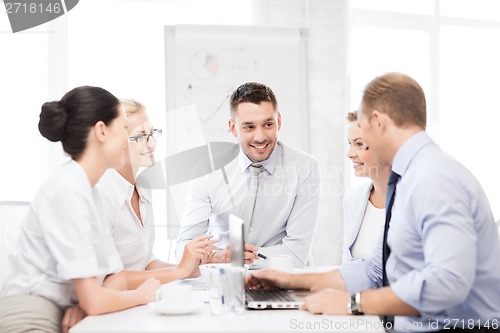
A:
{"x": 355, "y": 275}
{"x": 78, "y": 269}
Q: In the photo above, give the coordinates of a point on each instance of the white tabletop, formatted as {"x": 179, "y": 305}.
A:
{"x": 144, "y": 319}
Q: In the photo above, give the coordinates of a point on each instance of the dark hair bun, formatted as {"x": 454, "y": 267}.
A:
{"x": 52, "y": 124}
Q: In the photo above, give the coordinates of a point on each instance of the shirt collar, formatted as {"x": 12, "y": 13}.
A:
{"x": 408, "y": 150}
{"x": 144, "y": 193}
{"x": 125, "y": 189}
{"x": 269, "y": 164}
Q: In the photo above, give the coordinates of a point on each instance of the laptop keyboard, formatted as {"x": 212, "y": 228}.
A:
{"x": 269, "y": 296}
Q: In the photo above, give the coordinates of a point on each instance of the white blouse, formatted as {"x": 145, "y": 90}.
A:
{"x": 133, "y": 239}
{"x": 63, "y": 238}
{"x": 368, "y": 235}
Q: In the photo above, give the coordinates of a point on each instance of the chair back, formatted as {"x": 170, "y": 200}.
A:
{"x": 12, "y": 214}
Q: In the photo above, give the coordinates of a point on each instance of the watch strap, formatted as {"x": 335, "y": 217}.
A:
{"x": 354, "y": 304}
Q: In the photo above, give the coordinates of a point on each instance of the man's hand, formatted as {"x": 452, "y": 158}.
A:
{"x": 270, "y": 279}
{"x": 250, "y": 253}
{"x": 327, "y": 301}
{"x": 71, "y": 317}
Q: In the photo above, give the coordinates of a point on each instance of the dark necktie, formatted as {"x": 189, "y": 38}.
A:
{"x": 386, "y": 251}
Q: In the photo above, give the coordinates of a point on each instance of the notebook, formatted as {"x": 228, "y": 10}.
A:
{"x": 260, "y": 299}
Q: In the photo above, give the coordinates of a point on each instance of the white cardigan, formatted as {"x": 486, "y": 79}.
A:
{"x": 355, "y": 203}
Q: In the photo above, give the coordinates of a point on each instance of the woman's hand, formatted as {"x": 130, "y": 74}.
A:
{"x": 195, "y": 252}
{"x": 71, "y": 317}
{"x": 148, "y": 289}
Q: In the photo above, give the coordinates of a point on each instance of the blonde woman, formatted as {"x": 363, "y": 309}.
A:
{"x": 129, "y": 213}
{"x": 65, "y": 251}
{"x": 364, "y": 205}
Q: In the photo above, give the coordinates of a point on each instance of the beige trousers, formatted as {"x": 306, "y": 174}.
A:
{"x": 29, "y": 313}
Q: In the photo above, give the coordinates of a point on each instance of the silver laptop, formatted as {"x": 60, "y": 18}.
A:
{"x": 260, "y": 299}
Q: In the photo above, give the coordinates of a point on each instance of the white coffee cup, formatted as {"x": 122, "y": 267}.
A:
{"x": 174, "y": 295}
{"x": 280, "y": 262}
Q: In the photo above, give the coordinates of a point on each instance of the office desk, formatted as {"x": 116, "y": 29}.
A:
{"x": 145, "y": 320}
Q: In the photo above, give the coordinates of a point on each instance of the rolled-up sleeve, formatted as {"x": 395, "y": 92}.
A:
{"x": 360, "y": 274}
{"x": 67, "y": 228}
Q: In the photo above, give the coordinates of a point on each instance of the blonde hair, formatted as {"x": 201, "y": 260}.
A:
{"x": 132, "y": 106}
{"x": 352, "y": 116}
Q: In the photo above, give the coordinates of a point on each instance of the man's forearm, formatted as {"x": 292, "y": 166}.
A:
{"x": 384, "y": 301}
{"x": 319, "y": 281}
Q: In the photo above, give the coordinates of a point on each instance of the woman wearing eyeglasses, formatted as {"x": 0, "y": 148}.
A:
{"x": 65, "y": 253}
{"x": 364, "y": 205}
{"x": 129, "y": 213}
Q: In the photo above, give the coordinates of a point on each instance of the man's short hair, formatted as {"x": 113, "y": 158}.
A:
{"x": 397, "y": 95}
{"x": 252, "y": 92}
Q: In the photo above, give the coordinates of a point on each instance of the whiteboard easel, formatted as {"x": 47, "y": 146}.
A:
{"x": 205, "y": 64}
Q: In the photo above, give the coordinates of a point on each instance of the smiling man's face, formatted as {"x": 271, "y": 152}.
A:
{"x": 256, "y": 126}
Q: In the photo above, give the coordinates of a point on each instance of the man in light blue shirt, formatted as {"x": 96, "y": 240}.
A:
{"x": 444, "y": 264}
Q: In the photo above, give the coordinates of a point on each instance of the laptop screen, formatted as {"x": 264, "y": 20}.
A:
{"x": 237, "y": 241}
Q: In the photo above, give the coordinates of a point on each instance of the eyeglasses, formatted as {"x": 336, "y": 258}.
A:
{"x": 155, "y": 134}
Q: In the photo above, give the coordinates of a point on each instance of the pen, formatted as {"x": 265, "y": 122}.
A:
{"x": 258, "y": 254}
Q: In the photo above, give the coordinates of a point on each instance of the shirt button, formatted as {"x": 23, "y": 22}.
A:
{"x": 251, "y": 229}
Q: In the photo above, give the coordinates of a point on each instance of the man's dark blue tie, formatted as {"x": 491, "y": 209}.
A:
{"x": 391, "y": 194}
{"x": 386, "y": 251}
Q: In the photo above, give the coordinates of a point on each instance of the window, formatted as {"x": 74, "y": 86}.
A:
{"x": 477, "y": 9}
{"x": 425, "y": 7}
{"x": 468, "y": 116}
{"x": 453, "y": 53}
{"x": 24, "y": 63}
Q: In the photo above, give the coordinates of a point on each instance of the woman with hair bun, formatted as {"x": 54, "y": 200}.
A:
{"x": 65, "y": 253}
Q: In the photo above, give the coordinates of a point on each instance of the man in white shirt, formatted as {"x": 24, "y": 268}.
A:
{"x": 284, "y": 213}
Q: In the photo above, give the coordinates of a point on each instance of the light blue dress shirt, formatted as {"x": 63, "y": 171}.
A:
{"x": 286, "y": 207}
{"x": 445, "y": 252}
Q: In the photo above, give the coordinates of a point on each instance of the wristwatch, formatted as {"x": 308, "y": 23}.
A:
{"x": 354, "y": 304}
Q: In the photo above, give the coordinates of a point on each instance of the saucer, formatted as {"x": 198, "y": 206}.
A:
{"x": 169, "y": 309}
